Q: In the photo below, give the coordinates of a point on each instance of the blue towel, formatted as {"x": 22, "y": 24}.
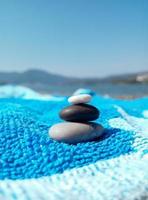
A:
{"x": 33, "y": 166}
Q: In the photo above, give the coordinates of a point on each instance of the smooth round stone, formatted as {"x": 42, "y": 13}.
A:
{"x": 81, "y": 98}
{"x": 79, "y": 113}
{"x": 84, "y": 91}
{"x": 73, "y": 132}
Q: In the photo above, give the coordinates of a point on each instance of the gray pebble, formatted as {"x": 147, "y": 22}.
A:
{"x": 74, "y": 132}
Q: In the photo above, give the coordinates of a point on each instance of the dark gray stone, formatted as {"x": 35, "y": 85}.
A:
{"x": 79, "y": 113}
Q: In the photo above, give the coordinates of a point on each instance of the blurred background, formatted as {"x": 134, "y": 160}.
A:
{"x": 54, "y": 46}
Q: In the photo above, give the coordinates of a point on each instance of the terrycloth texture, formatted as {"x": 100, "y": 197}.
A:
{"x": 33, "y": 166}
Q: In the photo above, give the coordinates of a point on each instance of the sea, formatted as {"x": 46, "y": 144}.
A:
{"x": 110, "y": 89}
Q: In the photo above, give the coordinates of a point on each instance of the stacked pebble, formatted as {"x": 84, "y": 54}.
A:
{"x": 78, "y": 127}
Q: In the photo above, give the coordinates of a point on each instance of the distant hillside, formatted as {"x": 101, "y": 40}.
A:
{"x": 41, "y": 77}
{"x": 32, "y": 76}
{"x": 141, "y": 77}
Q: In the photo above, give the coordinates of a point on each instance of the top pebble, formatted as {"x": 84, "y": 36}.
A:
{"x": 81, "y": 98}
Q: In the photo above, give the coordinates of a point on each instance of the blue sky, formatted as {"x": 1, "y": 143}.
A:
{"x": 82, "y": 38}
